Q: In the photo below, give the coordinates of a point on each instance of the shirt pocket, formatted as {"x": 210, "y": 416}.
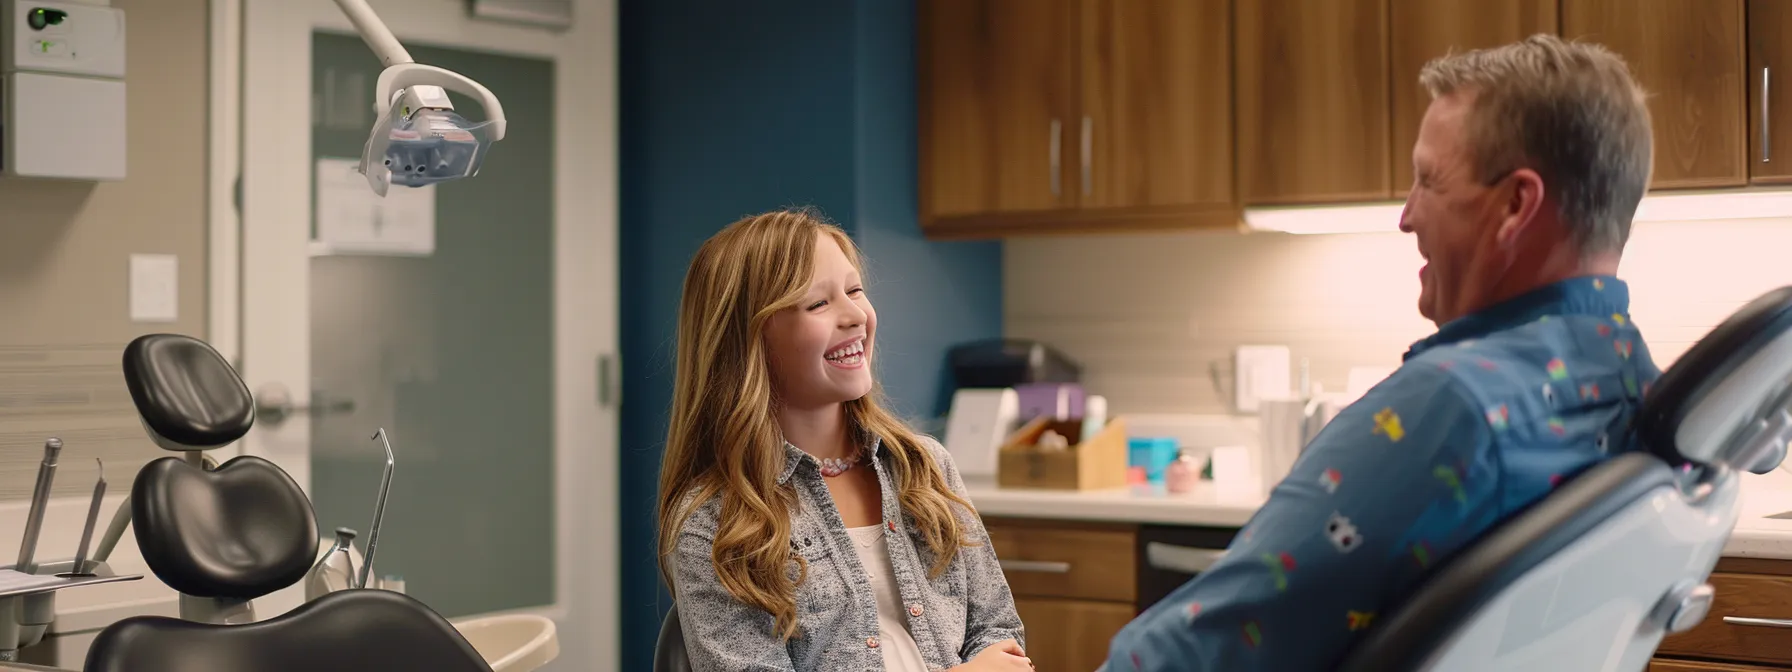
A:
{"x": 822, "y": 591}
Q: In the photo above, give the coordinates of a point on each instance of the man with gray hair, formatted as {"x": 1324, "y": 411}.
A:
{"x": 1529, "y": 166}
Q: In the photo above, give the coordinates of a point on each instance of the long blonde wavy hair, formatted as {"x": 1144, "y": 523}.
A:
{"x": 724, "y": 441}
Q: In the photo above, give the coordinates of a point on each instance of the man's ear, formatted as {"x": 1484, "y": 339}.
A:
{"x": 1522, "y": 201}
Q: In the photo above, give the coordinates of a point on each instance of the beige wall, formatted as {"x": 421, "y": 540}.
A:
{"x": 64, "y": 256}
{"x": 1153, "y": 317}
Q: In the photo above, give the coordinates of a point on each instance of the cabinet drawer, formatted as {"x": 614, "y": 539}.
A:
{"x": 1669, "y": 665}
{"x": 1068, "y": 560}
{"x": 1070, "y": 635}
{"x": 1740, "y": 596}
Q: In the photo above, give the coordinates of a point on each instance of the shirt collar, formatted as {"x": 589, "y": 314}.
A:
{"x": 795, "y": 457}
{"x": 1593, "y": 295}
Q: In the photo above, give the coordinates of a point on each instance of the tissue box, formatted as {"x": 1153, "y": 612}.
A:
{"x": 1095, "y": 464}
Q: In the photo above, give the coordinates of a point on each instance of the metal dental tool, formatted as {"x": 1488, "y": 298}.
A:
{"x": 93, "y": 518}
{"x": 40, "y": 499}
{"x": 379, "y": 510}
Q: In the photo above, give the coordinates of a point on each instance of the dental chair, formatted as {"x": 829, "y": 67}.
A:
{"x": 225, "y": 534}
{"x": 668, "y": 652}
{"x": 1594, "y": 575}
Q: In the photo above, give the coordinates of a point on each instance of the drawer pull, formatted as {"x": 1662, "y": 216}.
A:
{"x": 1762, "y": 622}
{"x": 1170, "y": 557}
{"x": 1041, "y": 566}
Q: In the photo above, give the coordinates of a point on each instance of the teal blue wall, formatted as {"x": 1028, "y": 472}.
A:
{"x": 729, "y": 109}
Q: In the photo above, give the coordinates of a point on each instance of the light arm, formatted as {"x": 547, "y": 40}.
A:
{"x": 379, "y": 38}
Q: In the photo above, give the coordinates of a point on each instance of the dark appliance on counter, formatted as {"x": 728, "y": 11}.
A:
{"x": 1007, "y": 362}
{"x": 1169, "y": 556}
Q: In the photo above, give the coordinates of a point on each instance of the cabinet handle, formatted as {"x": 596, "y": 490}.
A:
{"x": 1184, "y": 559}
{"x": 1766, "y": 121}
{"x": 1056, "y": 151}
{"x": 1763, "y": 622}
{"x": 1041, "y": 566}
{"x": 1088, "y": 149}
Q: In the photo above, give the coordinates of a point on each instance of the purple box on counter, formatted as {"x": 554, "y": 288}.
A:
{"x": 1059, "y": 401}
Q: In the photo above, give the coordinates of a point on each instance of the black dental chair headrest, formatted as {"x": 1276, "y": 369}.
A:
{"x": 188, "y": 396}
{"x": 1692, "y": 413}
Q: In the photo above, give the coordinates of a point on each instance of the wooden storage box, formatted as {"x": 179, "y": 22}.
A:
{"x": 1095, "y": 464}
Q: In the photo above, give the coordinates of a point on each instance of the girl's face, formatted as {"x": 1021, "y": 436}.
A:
{"x": 820, "y": 349}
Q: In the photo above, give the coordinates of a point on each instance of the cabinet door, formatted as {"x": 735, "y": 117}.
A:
{"x": 1070, "y": 635}
{"x": 1312, "y": 83}
{"x": 1769, "y": 80}
{"x": 1689, "y": 56}
{"x": 1426, "y": 29}
{"x": 1156, "y": 126}
{"x": 997, "y": 88}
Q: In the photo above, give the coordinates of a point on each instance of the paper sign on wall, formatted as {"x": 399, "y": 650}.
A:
{"x": 351, "y": 219}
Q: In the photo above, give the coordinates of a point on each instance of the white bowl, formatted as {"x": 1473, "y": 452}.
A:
{"x": 514, "y": 642}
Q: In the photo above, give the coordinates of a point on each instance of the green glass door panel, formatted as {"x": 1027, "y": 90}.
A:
{"x": 451, "y": 353}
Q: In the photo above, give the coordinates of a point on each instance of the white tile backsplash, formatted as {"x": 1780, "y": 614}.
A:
{"x": 1154, "y": 318}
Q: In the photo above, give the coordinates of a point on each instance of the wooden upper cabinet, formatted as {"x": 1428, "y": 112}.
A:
{"x": 1690, "y": 57}
{"x": 1426, "y": 29}
{"x": 1312, "y": 101}
{"x": 1769, "y": 80}
{"x": 998, "y": 88}
{"x": 1156, "y": 124}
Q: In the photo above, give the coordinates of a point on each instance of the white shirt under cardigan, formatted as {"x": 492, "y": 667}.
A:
{"x": 899, "y": 649}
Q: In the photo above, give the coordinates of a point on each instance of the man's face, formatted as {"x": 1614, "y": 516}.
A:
{"x": 1454, "y": 215}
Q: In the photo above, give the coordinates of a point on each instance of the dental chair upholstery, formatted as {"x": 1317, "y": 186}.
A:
{"x": 240, "y": 531}
{"x": 1594, "y": 575}
{"x": 668, "y": 652}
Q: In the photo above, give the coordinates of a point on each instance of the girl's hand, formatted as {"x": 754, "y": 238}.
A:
{"x": 1002, "y": 656}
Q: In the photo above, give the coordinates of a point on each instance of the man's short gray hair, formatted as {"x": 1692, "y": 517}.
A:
{"x": 1570, "y": 111}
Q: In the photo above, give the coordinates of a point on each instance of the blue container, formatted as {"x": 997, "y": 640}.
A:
{"x": 1153, "y": 453}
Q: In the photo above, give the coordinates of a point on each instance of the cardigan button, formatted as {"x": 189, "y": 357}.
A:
{"x": 871, "y": 642}
{"x": 915, "y": 610}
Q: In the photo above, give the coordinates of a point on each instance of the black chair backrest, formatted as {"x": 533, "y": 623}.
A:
{"x": 344, "y": 631}
{"x": 242, "y": 530}
{"x": 668, "y": 652}
{"x": 1706, "y": 364}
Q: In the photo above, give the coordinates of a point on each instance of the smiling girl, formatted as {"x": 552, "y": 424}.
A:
{"x": 803, "y": 527}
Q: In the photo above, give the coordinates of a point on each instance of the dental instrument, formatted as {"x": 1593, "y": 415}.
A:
{"x": 93, "y": 517}
{"x": 379, "y": 510}
{"x": 418, "y": 138}
{"x": 40, "y": 498}
{"x": 28, "y": 587}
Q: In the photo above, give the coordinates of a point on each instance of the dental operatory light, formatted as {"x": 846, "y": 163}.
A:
{"x": 417, "y": 138}
{"x": 1385, "y": 217}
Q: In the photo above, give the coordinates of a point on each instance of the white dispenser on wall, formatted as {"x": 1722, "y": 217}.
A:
{"x": 62, "y": 90}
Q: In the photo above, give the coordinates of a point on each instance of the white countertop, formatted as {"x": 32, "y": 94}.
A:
{"x": 1755, "y": 535}
{"x": 1207, "y": 506}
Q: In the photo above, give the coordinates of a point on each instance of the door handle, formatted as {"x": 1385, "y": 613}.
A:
{"x": 1763, "y": 622}
{"x": 1041, "y": 566}
{"x": 1056, "y": 151}
{"x": 274, "y": 405}
{"x": 1184, "y": 559}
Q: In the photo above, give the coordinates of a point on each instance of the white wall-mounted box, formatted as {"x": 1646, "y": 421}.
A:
{"x": 62, "y": 90}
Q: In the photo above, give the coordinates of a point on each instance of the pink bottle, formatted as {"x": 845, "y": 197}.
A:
{"x": 1182, "y": 475}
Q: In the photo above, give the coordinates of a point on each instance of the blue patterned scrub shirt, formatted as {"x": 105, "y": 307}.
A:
{"x": 1485, "y": 417}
